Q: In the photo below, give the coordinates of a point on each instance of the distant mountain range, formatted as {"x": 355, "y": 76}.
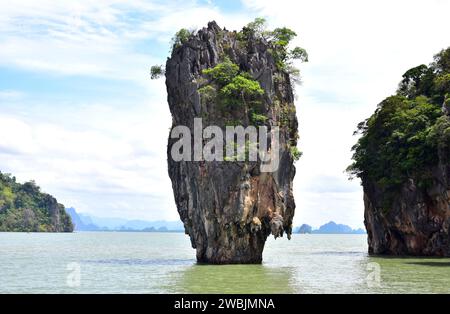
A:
{"x": 329, "y": 228}
{"x": 85, "y": 222}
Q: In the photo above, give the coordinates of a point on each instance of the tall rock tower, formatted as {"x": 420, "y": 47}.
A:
{"x": 230, "y": 207}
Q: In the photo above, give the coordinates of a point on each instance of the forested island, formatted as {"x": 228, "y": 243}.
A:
{"x": 24, "y": 208}
{"x": 402, "y": 159}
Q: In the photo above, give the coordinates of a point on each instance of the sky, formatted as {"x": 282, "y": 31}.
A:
{"x": 80, "y": 115}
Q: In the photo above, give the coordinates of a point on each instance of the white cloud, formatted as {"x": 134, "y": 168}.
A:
{"x": 96, "y": 38}
{"x": 63, "y": 37}
{"x": 15, "y": 136}
{"x": 10, "y": 95}
{"x": 95, "y": 157}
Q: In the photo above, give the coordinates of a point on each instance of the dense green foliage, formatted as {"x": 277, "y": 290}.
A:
{"x": 241, "y": 88}
{"x": 24, "y": 208}
{"x": 224, "y": 72}
{"x": 409, "y": 134}
{"x": 258, "y": 119}
{"x": 234, "y": 87}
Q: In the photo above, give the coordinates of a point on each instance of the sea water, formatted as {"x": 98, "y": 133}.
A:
{"x": 127, "y": 262}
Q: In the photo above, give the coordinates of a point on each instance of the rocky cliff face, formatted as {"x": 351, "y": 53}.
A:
{"x": 417, "y": 223}
{"x": 418, "y": 219}
{"x": 229, "y": 208}
{"x": 403, "y": 160}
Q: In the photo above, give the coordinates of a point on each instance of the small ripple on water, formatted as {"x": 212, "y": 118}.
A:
{"x": 150, "y": 262}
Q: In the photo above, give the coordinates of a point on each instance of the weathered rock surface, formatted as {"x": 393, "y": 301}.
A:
{"x": 418, "y": 221}
{"x": 230, "y": 208}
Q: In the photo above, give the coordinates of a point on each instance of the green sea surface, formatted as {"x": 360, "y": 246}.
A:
{"x": 121, "y": 262}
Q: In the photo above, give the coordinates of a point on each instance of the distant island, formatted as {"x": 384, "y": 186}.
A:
{"x": 84, "y": 222}
{"x": 329, "y": 228}
{"x": 24, "y": 208}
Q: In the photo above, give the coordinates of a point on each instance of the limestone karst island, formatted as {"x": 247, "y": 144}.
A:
{"x": 228, "y": 79}
{"x": 403, "y": 161}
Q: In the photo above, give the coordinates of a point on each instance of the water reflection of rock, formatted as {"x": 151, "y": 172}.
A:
{"x": 231, "y": 279}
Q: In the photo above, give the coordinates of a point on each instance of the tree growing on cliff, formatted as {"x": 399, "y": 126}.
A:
{"x": 234, "y": 86}
{"x": 180, "y": 38}
{"x": 224, "y": 72}
{"x": 240, "y": 90}
{"x": 279, "y": 39}
{"x": 156, "y": 71}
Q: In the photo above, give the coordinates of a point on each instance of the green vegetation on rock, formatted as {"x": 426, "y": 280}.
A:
{"x": 234, "y": 88}
{"x": 180, "y": 38}
{"x": 295, "y": 153}
{"x": 258, "y": 119}
{"x": 279, "y": 40}
{"x": 156, "y": 71}
{"x": 207, "y": 93}
{"x": 229, "y": 88}
{"x": 224, "y": 72}
{"x": 409, "y": 133}
{"x": 240, "y": 90}
{"x": 24, "y": 208}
